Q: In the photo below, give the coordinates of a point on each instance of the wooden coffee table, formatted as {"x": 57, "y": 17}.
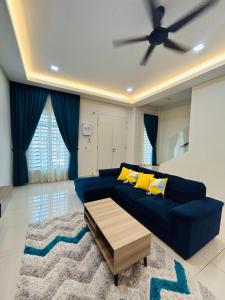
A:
{"x": 121, "y": 239}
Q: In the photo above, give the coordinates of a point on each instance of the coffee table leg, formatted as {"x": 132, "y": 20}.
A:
{"x": 116, "y": 278}
{"x": 145, "y": 261}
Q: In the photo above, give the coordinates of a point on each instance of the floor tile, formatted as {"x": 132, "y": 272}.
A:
{"x": 219, "y": 261}
{"x": 12, "y": 239}
{"x": 9, "y": 272}
{"x": 213, "y": 248}
{"x": 195, "y": 264}
{"x": 214, "y": 279}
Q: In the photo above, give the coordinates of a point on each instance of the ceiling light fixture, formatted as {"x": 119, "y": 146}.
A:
{"x": 129, "y": 90}
{"x": 198, "y": 48}
{"x": 54, "y": 68}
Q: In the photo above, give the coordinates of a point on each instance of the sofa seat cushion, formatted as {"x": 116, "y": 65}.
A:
{"x": 184, "y": 190}
{"x": 95, "y": 188}
{"x": 80, "y": 184}
{"x": 156, "y": 210}
{"x": 127, "y": 193}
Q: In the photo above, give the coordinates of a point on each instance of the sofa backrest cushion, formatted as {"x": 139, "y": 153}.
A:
{"x": 184, "y": 190}
{"x": 148, "y": 171}
{"x": 129, "y": 166}
{"x": 178, "y": 189}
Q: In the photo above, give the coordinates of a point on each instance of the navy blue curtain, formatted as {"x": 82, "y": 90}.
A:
{"x": 151, "y": 126}
{"x": 26, "y": 103}
{"x": 67, "y": 112}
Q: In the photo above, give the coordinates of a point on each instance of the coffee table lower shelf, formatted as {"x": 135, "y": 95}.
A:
{"x": 118, "y": 259}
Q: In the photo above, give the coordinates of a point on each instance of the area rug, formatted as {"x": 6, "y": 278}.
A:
{"x": 61, "y": 261}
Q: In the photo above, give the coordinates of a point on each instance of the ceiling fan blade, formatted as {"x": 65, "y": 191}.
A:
{"x": 193, "y": 14}
{"x": 175, "y": 46}
{"x": 154, "y": 16}
{"x": 147, "y": 55}
{"x": 120, "y": 43}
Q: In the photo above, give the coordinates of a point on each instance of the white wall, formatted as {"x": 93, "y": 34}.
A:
{"x": 5, "y": 132}
{"x": 205, "y": 160}
{"x": 174, "y": 123}
{"x": 89, "y": 111}
{"x": 137, "y": 131}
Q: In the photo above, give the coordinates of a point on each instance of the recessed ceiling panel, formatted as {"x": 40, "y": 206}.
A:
{"x": 77, "y": 35}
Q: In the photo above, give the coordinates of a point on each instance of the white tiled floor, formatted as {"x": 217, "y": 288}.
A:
{"x": 38, "y": 202}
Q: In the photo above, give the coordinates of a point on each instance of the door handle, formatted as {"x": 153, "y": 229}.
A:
{"x": 114, "y": 150}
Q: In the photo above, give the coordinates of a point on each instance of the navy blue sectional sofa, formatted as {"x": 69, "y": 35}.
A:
{"x": 185, "y": 218}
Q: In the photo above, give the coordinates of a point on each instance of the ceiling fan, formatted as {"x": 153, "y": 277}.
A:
{"x": 160, "y": 35}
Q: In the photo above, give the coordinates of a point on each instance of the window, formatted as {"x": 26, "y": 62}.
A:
{"x": 147, "y": 150}
{"x": 47, "y": 156}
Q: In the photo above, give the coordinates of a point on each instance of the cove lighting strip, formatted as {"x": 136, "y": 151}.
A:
{"x": 20, "y": 29}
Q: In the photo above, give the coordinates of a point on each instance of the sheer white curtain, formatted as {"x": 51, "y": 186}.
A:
{"x": 47, "y": 156}
{"x": 147, "y": 155}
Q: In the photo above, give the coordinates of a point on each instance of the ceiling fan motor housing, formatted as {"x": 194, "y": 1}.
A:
{"x": 158, "y": 36}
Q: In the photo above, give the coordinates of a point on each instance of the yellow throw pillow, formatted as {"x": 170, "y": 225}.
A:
{"x": 144, "y": 181}
{"x": 132, "y": 177}
{"x": 157, "y": 186}
{"x": 124, "y": 173}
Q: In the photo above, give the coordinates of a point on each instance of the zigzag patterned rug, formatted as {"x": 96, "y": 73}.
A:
{"x": 61, "y": 261}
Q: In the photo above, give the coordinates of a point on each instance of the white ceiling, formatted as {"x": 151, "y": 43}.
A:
{"x": 77, "y": 36}
{"x": 184, "y": 97}
{"x": 10, "y": 58}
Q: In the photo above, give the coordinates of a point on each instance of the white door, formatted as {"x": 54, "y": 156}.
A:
{"x": 112, "y": 137}
{"x": 119, "y": 141}
{"x": 105, "y": 141}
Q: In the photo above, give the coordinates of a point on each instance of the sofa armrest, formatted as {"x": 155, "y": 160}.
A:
{"x": 109, "y": 172}
{"x": 196, "y": 209}
{"x": 194, "y": 224}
